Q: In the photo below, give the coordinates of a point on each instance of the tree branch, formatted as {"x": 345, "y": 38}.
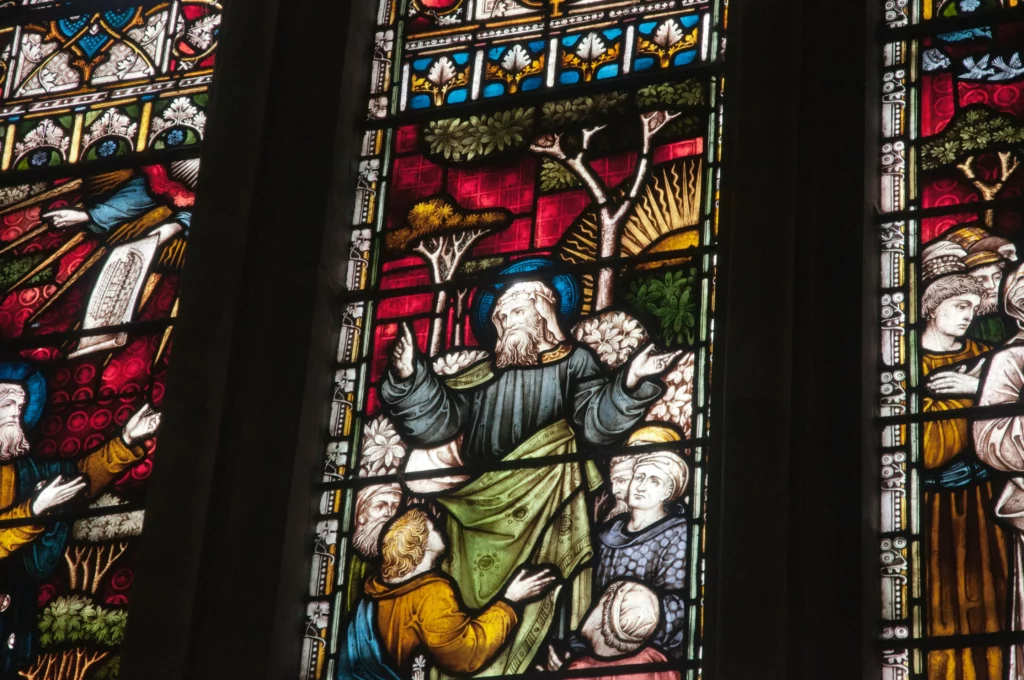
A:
{"x": 1008, "y": 164}
{"x": 432, "y": 257}
{"x": 464, "y": 241}
{"x": 652, "y": 124}
{"x": 590, "y": 132}
{"x": 549, "y": 145}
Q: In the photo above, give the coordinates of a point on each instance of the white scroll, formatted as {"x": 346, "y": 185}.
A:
{"x": 116, "y": 294}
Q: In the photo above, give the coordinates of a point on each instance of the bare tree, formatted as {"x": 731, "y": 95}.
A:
{"x": 612, "y": 210}
{"x": 1008, "y": 164}
{"x": 70, "y": 664}
{"x": 89, "y": 564}
{"x": 441, "y": 232}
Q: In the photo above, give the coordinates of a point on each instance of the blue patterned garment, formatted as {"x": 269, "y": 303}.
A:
{"x": 655, "y": 556}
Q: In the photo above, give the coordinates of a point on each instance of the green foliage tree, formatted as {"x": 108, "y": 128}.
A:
{"x": 671, "y": 297}
{"x": 678, "y": 94}
{"x": 973, "y": 132}
{"x": 74, "y": 630}
{"x": 458, "y": 139}
{"x": 554, "y": 176}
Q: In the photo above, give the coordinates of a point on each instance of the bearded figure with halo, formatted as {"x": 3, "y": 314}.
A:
{"x": 32, "y": 487}
{"x": 543, "y": 395}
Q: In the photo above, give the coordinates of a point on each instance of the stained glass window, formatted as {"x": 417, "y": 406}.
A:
{"x": 515, "y": 474}
{"x": 101, "y": 116}
{"x": 951, "y": 314}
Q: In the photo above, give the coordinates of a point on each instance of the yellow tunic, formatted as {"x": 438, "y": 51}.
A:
{"x": 99, "y": 467}
{"x": 424, "y": 613}
{"x": 965, "y": 550}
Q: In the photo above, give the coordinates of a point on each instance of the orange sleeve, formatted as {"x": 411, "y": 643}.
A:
{"x": 13, "y": 538}
{"x": 110, "y": 460}
{"x": 461, "y": 643}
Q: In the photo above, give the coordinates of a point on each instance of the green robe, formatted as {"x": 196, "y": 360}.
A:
{"x": 505, "y": 519}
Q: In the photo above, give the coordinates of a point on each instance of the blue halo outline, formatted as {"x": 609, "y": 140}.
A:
{"x": 35, "y": 388}
{"x": 565, "y": 286}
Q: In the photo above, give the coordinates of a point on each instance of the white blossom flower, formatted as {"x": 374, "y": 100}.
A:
{"x": 378, "y": 107}
{"x": 109, "y": 527}
{"x": 326, "y": 533}
{"x": 419, "y": 668}
{"x": 383, "y": 43}
{"x": 456, "y": 362}
{"x": 676, "y": 405}
{"x": 318, "y": 614}
{"x": 369, "y": 171}
{"x": 615, "y": 336}
{"x": 360, "y": 241}
{"x": 19, "y": 192}
{"x": 382, "y": 450}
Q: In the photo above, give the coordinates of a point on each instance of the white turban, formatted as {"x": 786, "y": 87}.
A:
{"x": 630, "y": 616}
{"x": 672, "y": 466}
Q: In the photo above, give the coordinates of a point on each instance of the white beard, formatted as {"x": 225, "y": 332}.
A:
{"x": 12, "y": 442}
{"x": 518, "y": 347}
{"x": 365, "y": 537}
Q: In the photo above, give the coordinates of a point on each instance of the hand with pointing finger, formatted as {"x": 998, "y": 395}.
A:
{"x": 67, "y": 217}
{"x": 404, "y": 354}
{"x": 57, "y": 492}
{"x": 648, "y": 364}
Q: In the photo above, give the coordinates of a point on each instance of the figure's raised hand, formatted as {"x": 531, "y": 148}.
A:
{"x": 528, "y": 584}
{"x": 404, "y": 354}
{"x": 67, "y": 217}
{"x": 56, "y": 492}
{"x": 647, "y": 364}
{"x": 141, "y": 426}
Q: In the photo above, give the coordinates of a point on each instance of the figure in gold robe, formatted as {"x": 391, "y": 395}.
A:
{"x": 32, "y": 487}
{"x": 964, "y": 549}
{"x": 412, "y": 608}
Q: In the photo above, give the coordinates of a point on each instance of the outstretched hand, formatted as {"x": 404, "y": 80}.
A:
{"x": 647, "y": 364}
{"x": 57, "y": 492}
{"x": 141, "y": 426}
{"x": 528, "y": 584}
{"x": 404, "y": 353}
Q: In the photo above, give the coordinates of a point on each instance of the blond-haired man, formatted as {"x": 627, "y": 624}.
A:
{"x": 412, "y": 607}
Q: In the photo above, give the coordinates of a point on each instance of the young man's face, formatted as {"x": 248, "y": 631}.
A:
{"x": 954, "y": 315}
{"x": 650, "y": 487}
